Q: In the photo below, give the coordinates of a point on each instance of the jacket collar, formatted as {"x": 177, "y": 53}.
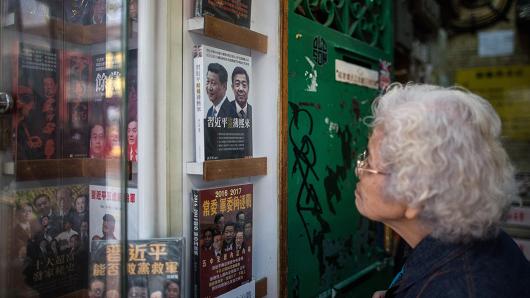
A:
{"x": 427, "y": 257}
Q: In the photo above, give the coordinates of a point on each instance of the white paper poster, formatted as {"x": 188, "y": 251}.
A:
{"x": 495, "y": 43}
{"x": 105, "y": 212}
{"x": 356, "y": 75}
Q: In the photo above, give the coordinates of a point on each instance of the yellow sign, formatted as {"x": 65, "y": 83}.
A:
{"x": 507, "y": 88}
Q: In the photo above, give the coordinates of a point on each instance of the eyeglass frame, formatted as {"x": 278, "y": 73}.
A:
{"x": 362, "y": 163}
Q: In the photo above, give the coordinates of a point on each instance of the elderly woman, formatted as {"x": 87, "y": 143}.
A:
{"x": 436, "y": 173}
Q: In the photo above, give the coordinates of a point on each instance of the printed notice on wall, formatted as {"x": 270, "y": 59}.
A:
{"x": 356, "y": 75}
{"x": 495, "y": 43}
{"x": 518, "y": 216}
{"x": 507, "y": 88}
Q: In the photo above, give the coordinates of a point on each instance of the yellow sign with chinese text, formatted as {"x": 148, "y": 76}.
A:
{"x": 507, "y": 88}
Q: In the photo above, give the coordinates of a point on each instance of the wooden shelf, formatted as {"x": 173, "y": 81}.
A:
{"x": 228, "y": 168}
{"x": 226, "y": 31}
{"x": 26, "y": 170}
{"x": 99, "y": 168}
{"x": 83, "y": 34}
{"x": 58, "y": 29}
{"x": 261, "y": 288}
{"x": 47, "y": 169}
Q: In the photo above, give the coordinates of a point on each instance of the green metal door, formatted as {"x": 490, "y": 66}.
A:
{"x": 338, "y": 53}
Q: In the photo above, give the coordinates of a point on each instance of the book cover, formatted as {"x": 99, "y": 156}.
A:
{"x": 33, "y": 13}
{"x": 133, "y": 10}
{"x": 114, "y": 95}
{"x": 37, "y": 95}
{"x": 223, "y": 112}
{"x": 115, "y": 10}
{"x": 77, "y": 70}
{"x": 132, "y": 105}
{"x": 154, "y": 267}
{"x": 104, "y": 115}
{"x": 98, "y": 12}
{"x": 233, "y": 11}
{"x": 97, "y": 141}
{"x": 49, "y": 247}
{"x": 77, "y": 11}
{"x": 222, "y": 239}
{"x": 105, "y": 212}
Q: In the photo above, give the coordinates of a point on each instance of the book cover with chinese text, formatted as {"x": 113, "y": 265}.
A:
{"x": 77, "y": 69}
{"x": 132, "y": 105}
{"x": 222, "y": 239}
{"x": 105, "y": 212}
{"x": 104, "y": 116}
{"x": 77, "y": 11}
{"x": 49, "y": 240}
{"x": 223, "y": 110}
{"x": 37, "y": 94}
{"x": 154, "y": 267}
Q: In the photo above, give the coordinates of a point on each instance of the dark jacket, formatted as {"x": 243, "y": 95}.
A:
{"x": 226, "y": 110}
{"x": 486, "y": 268}
{"x": 249, "y": 110}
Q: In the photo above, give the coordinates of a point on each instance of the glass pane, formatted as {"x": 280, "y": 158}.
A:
{"x": 66, "y": 162}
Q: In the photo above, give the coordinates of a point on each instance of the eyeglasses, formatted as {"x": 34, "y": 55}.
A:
{"x": 362, "y": 165}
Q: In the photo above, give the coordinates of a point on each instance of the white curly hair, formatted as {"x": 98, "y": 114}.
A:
{"x": 442, "y": 149}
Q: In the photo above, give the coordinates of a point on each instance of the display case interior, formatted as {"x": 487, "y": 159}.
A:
{"x": 82, "y": 36}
